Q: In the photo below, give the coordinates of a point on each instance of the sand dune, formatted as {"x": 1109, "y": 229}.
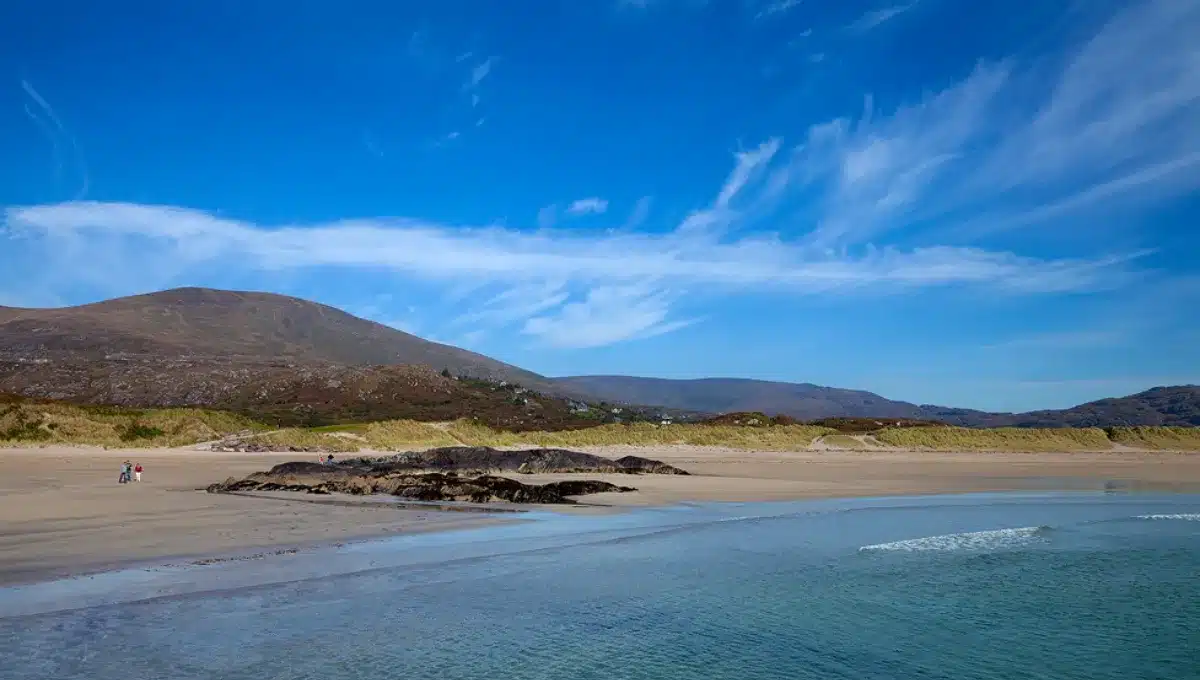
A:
{"x": 62, "y": 512}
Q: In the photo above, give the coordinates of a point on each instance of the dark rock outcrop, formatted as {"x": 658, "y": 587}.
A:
{"x": 315, "y": 478}
{"x": 483, "y": 459}
{"x": 648, "y": 465}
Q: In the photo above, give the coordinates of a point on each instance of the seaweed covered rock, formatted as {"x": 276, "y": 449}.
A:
{"x": 429, "y": 486}
{"x": 637, "y": 464}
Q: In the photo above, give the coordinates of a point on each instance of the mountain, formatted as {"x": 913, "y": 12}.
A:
{"x": 299, "y": 361}
{"x": 1177, "y": 406}
{"x": 1159, "y": 406}
{"x": 274, "y": 357}
{"x": 278, "y": 358}
{"x": 725, "y": 395}
{"x": 232, "y": 326}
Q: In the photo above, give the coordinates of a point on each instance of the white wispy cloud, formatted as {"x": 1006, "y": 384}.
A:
{"x": 51, "y": 126}
{"x": 748, "y": 164}
{"x": 876, "y": 17}
{"x": 547, "y": 217}
{"x": 588, "y": 206}
{"x": 606, "y": 315}
{"x": 475, "y": 79}
{"x": 517, "y": 303}
{"x": 478, "y": 73}
{"x": 639, "y": 214}
{"x": 126, "y": 232}
{"x": 1115, "y": 120}
{"x": 1063, "y": 340}
{"x": 776, "y": 7}
{"x": 647, "y": 4}
{"x": 1146, "y": 315}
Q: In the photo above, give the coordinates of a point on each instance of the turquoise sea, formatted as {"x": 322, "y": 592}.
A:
{"x": 995, "y": 586}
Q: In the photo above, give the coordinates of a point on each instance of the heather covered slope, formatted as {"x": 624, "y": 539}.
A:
{"x": 295, "y": 395}
{"x": 1176, "y": 406}
{"x": 252, "y": 327}
{"x": 1171, "y": 406}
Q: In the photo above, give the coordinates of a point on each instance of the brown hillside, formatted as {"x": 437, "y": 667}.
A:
{"x": 282, "y": 394}
{"x": 201, "y": 322}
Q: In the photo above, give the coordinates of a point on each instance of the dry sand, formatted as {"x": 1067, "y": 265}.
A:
{"x": 62, "y": 512}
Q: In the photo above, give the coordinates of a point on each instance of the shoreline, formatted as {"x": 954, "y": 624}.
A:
{"x": 62, "y": 514}
{"x": 541, "y": 531}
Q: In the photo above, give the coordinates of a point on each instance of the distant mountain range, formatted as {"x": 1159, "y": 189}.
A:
{"x": 1178, "y": 405}
{"x": 726, "y": 395}
{"x": 255, "y": 351}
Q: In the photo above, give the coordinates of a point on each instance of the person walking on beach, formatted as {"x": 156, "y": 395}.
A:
{"x": 124, "y": 478}
{"x": 137, "y": 472}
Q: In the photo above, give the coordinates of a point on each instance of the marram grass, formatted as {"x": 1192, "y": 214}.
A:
{"x": 1158, "y": 438}
{"x": 647, "y": 434}
{"x": 998, "y": 439}
{"x": 842, "y": 441}
{"x": 53, "y": 423}
{"x": 33, "y": 424}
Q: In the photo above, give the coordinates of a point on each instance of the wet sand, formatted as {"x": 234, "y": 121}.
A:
{"x": 62, "y": 511}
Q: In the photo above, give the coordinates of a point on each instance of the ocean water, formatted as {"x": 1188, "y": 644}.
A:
{"x": 1004, "y": 586}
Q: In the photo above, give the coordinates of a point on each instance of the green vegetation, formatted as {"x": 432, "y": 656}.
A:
{"x": 407, "y": 434}
{"x": 136, "y": 430}
{"x": 302, "y": 439}
{"x": 869, "y": 425}
{"x": 946, "y": 438}
{"x": 780, "y": 437}
{"x": 34, "y": 422}
{"x": 30, "y": 422}
{"x": 1158, "y": 438}
{"x": 401, "y": 434}
{"x": 843, "y": 441}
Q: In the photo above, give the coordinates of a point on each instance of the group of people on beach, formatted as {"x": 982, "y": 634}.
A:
{"x": 130, "y": 472}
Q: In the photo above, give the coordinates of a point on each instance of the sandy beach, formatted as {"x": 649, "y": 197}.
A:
{"x": 62, "y": 511}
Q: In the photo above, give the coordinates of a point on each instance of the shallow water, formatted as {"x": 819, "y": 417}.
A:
{"x": 983, "y": 586}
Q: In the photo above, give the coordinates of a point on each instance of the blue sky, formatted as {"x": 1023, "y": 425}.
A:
{"x": 981, "y": 204}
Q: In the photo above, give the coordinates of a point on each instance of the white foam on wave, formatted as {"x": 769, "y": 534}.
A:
{"x": 1187, "y": 516}
{"x": 994, "y": 539}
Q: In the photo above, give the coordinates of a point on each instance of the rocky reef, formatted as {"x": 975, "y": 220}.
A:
{"x": 317, "y": 478}
{"x": 484, "y": 459}
{"x": 455, "y": 473}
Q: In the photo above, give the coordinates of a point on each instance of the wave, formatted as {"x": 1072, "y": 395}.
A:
{"x": 994, "y": 539}
{"x": 1188, "y": 516}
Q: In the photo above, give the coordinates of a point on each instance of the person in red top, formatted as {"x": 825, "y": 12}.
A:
{"x": 137, "y": 472}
